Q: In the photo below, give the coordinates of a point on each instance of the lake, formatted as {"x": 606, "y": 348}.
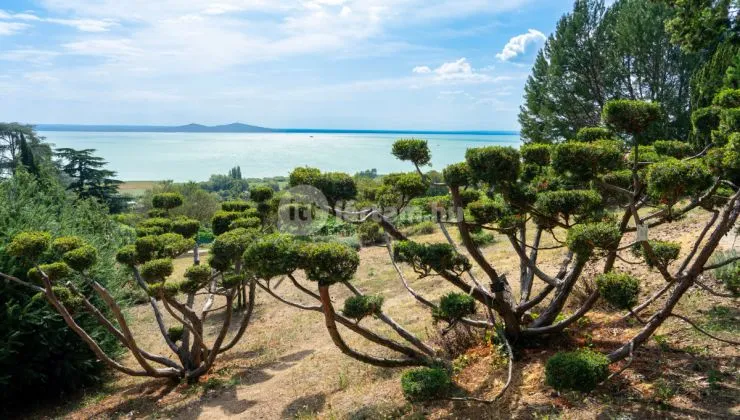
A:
{"x": 195, "y": 156}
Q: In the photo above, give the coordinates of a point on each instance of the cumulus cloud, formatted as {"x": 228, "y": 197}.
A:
{"x": 421, "y": 70}
{"x": 459, "y": 70}
{"x": 518, "y": 44}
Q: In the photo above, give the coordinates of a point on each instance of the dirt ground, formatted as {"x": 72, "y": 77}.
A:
{"x": 287, "y": 367}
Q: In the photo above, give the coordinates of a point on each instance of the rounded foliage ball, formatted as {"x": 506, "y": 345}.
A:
{"x": 664, "y": 252}
{"x": 199, "y": 274}
{"x": 329, "y": 262}
{"x": 359, "y": 307}
{"x": 457, "y": 175}
{"x": 621, "y": 290}
{"x": 727, "y": 98}
{"x": 425, "y": 258}
{"x": 487, "y": 211}
{"x": 412, "y": 150}
{"x": 232, "y": 244}
{"x": 261, "y": 193}
{"x": 185, "y": 227}
{"x": 235, "y": 206}
{"x": 567, "y": 203}
{"x": 424, "y": 383}
{"x": 221, "y": 221}
{"x": 590, "y": 134}
{"x": 232, "y": 280}
{"x": 158, "y": 270}
{"x": 583, "y": 161}
{"x": 81, "y": 259}
{"x": 163, "y": 223}
{"x": 54, "y": 271}
{"x": 584, "y": 238}
{"x": 167, "y": 201}
{"x": 454, "y": 306}
{"x": 672, "y": 148}
{"x": 29, "y": 245}
{"x": 65, "y": 244}
{"x": 672, "y": 180}
{"x": 175, "y": 333}
{"x": 580, "y": 370}
{"x": 536, "y": 153}
{"x": 273, "y": 255}
{"x": 494, "y": 165}
{"x": 127, "y": 255}
{"x": 631, "y": 117}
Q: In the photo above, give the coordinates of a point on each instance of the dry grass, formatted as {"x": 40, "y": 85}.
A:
{"x": 136, "y": 188}
{"x": 287, "y": 367}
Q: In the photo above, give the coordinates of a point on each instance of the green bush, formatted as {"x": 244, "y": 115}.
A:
{"x": 185, "y": 227}
{"x": 704, "y": 121}
{"x": 412, "y": 150}
{"x": 156, "y": 271}
{"x": 81, "y": 259}
{"x": 29, "y": 245}
{"x": 261, "y": 193}
{"x": 487, "y": 211}
{"x": 665, "y": 252}
{"x": 231, "y": 245}
{"x": 589, "y": 134}
{"x": 54, "y": 271}
{"x": 727, "y": 98}
{"x": 425, "y": 258}
{"x": 583, "y": 239}
{"x": 619, "y": 289}
{"x": 271, "y": 256}
{"x": 584, "y": 161}
{"x": 66, "y": 243}
{"x": 457, "y": 175}
{"x": 536, "y": 153}
{"x": 175, "y": 333}
{"x": 167, "y": 201}
{"x": 580, "y": 370}
{"x": 671, "y": 180}
{"x": 622, "y": 179}
{"x": 568, "y": 203}
{"x": 359, "y": 307}
{"x": 494, "y": 165}
{"x": 221, "y": 221}
{"x": 423, "y": 384}
{"x": 237, "y": 206}
{"x": 454, "y": 306}
{"x": 631, "y": 117}
{"x": 328, "y": 263}
{"x": 370, "y": 233}
{"x": 673, "y": 148}
{"x": 728, "y": 274}
{"x": 483, "y": 238}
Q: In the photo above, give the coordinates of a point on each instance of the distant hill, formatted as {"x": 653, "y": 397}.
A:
{"x": 189, "y": 128}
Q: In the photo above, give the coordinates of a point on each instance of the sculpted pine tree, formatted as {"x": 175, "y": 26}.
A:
{"x": 161, "y": 238}
{"x": 589, "y": 195}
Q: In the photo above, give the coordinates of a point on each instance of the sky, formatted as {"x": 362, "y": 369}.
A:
{"x": 354, "y": 64}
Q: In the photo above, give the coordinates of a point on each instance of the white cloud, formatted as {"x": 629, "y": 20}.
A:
{"x": 421, "y": 70}
{"x": 459, "y": 70}
{"x": 518, "y": 44}
{"x": 103, "y": 47}
{"x": 40, "y": 77}
{"x": 454, "y": 69}
{"x": 85, "y": 25}
{"x": 11, "y": 28}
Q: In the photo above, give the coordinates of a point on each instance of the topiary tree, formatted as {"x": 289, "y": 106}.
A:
{"x": 150, "y": 259}
{"x": 589, "y": 196}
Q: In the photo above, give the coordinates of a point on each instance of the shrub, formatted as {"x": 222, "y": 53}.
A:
{"x": 185, "y": 227}
{"x": 81, "y": 259}
{"x": 358, "y": 307}
{"x": 328, "y": 263}
{"x": 413, "y": 150}
{"x": 727, "y": 98}
{"x": 483, "y": 238}
{"x": 671, "y": 180}
{"x": 631, "y": 117}
{"x": 536, "y": 153}
{"x": 54, "y": 271}
{"x": 175, "y": 333}
{"x": 454, "y": 306}
{"x": 583, "y": 161}
{"x": 29, "y": 245}
{"x": 427, "y": 257}
{"x": 619, "y": 289}
{"x": 66, "y": 243}
{"x": 494, "y": 165}
{"x": 162, "y": 223}
{"x": 589, "y": 134}
{"x": 167, "y": 201}
{"x": 622, "y": 179}
{"x": 422, "y": 384}
{"x": 246, "y": 223}
{"x": 232, "y": 244}
{"x": 673, "y": 148}
{"x": 487, "y": 211}
{"x": 155, "y": 271}
{"x": 580, "y": 370}
{"x": 568, "y": 203}
{"x": 423, "y": 228}
{"x": 583, "y": 239}
{"x": 199, "y": 274}
{"x": 370, "y": 233}
{"x": 271, "y": 256}
{"x": 457, "y": 175}
{"x": 261, "y": 193}
{"x": 237, "y": 206}
{"x": 728, "y": 274}
{"x": 665, "y": 252}
{"x": 221, "y": 221}
{"x": 704, "y": 121}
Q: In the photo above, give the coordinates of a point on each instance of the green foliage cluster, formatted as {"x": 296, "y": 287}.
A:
{"x": 671, "y": 180}
{"x": 672, "y": 148}
{"x": 621, "y": 290}
{"x": 488, "y": 210}
{"x": 261, "y": 193}
{"x": 423, "y": 384}
{"x": 175, "y": 333}
{"x": 156, "y": 271}
{"x": 425, "y": 258}
{"x": 457, "y": 174}
{"x": 665, "y": 252}
{"x": 272, "y": 255}
{"x": 29, "y": 245}
{"x": 423, "y": 228}
{"x": 370, "y": 233}
{"x": 230, "y": 246}
{"x": 584, "y": 161}
{"x": 631, "y": 117}
{"x": 728, "y": 274}
{"x": 590, "y": 134}
{"x": 454, "y": 306}
{"x": 82, "y": 258}
{"x": 536, "y": 153}
{"x": 337, "y": 187}
{"x": 359, "y": 307}
{"x": 583, "y": 239}
{"x": 167, "y": 201}
{"x": 567, "y": 203}
{"x": 412, "y": 150}
{"x": 328, "y": 263}
{"x": 494, "y": 165}
{"x": 580, "y": 370}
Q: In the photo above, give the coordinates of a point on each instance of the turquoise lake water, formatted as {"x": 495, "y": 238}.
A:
{"x": 195, "y": 156}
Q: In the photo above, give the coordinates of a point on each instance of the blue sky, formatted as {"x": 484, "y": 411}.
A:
{"x": 372, "y": 64}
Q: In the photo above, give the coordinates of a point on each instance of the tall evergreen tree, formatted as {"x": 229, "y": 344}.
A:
{"x": 20, "y": 145}
{"x": 88, "y": 178}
